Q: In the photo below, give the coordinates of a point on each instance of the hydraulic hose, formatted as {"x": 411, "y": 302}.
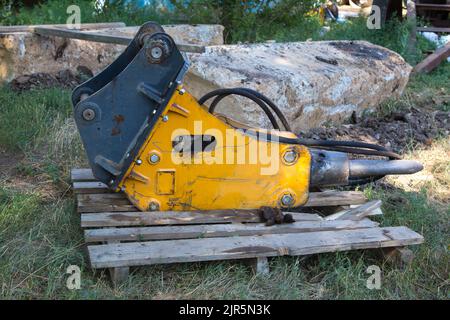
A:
{"x": 358, "y": 171}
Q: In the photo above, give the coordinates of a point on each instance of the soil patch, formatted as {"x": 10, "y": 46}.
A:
{"x": 62, "y": 79}
{"x": 397, "y": 131}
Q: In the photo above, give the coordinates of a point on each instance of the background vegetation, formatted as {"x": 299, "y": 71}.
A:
{"x": 244, "y": 21}
{"x": 39, "y": 144}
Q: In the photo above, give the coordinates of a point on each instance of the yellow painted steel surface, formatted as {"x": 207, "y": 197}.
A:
{"x": 238, "y": 171}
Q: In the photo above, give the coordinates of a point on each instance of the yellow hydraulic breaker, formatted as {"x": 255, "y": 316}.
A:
{"x": 146, "y": 136}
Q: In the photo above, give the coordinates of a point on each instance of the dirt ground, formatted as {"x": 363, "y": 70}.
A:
{"x": 64, "y": 79}
{"x": 397, "y": 131}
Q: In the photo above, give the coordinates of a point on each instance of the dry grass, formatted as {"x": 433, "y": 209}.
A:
{"x": 435, "y": 178}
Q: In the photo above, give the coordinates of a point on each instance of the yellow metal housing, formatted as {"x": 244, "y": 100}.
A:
{"x": 238, "y": 170}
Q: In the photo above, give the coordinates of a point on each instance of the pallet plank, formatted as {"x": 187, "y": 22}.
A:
{"x": 218, "y": 230}
{"x": 176, "y": 251}
{"x": 357, "y": 213}
{"x": 77, "y": 175}
{"x": 128, "y": 219}
{"x": 335, "y": 198}
{"x": 90, "y": 187}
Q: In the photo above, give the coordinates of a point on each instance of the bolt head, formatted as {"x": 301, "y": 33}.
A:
{"x": 154, "y": 158}
{"x": 165, "y": 118}
{"x": 287, "y": 200}
{"x": 138, "y": 161}
{"x": 156, "y": 52}
{"x": 290, "y": 156}
{"x": 88, "y": 114}
{"x": 182, "y": 91}
{"x": 153, "y": 206}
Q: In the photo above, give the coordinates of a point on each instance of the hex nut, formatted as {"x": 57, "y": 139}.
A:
{"x": 287, "y": 200}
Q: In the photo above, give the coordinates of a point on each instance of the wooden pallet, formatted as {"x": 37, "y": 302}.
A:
{"x": 119, "y": 237}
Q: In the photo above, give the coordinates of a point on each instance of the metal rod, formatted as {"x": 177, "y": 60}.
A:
{"x": 96, "y": 37}
{"x": 83, "y": 26}
{"x": 371, "y": 168}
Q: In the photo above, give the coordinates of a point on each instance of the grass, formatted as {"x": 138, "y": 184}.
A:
{"x": 40, "y": 234}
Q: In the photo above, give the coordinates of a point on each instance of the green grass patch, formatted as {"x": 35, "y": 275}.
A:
{"x": 27, "y": 117}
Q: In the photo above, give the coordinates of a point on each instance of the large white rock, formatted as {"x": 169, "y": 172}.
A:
{"x": 26, "y": 53}
{"x": 311, "y": 82}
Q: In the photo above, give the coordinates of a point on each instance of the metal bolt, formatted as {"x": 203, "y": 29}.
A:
{"x": 290, "y": 156}
{"x": 154, "y": 158}
{"x": 153, "y": 206}
{"x": 287, "y": 200}
{"x": 165, "y": 118}
{"x": 138, "y": 161}
{"x": 88, "y": 114}
{"x": 122, "y": 188}
{"x": 111, "y": 182}
{"x": 84, "y": 96}
{"x": 156, "y": 52}
{"x": 182, "y": 91}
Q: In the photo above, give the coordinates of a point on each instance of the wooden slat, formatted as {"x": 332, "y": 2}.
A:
{"x": 107, "y": 208}
{"x": 82, "y": 175}
{"x": 433, "y": 60}
{"x": 90, "y": 187}
{"x": 106, "y": 198}
{"x": 433, "y": 7}
{"x": 335, "y": 198}
{"x": 175, "y": 251}
{"x": 218, "y": 230}
{"x": 357, "y": 213}
{"x": 128, "y": 219}
{"x": 433, "y": 29}
{"x": 108, "y": 202}
{"x": 97, "y": 37}
{"x": 83, "y": 26}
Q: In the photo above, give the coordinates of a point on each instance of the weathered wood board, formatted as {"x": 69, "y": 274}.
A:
{"x": 293, "y": 244}
{"x": 218, "y": 230}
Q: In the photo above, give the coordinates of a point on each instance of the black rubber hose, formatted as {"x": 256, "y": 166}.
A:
{"x": 354, "y": 147}
{"x": 269, "y": 102}
{"x": 367, "y": 152}
{"x": 246, "y": 94}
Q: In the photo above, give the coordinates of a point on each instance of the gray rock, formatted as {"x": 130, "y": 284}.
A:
{"x": 348, "y": 76}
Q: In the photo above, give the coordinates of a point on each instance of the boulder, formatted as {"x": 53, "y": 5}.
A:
{"x": 311, "y": 82}
{"x": 24, "y": 53}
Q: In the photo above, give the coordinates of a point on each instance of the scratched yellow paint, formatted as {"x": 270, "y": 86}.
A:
{"x": 201, "y": 182}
